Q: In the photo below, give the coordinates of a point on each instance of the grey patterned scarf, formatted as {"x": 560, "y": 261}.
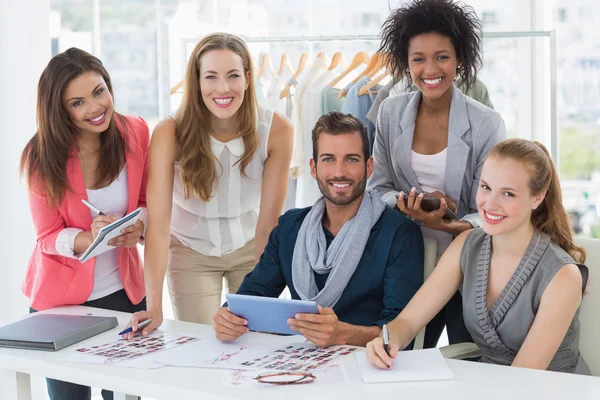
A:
{"x": 340, "y": 259}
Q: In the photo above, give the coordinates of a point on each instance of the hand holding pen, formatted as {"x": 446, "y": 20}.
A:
{"x": 100, "y": 221}
{"x": 380, "y": 352}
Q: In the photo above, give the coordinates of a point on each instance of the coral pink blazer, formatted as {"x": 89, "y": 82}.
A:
{"x": 53, "y": 280}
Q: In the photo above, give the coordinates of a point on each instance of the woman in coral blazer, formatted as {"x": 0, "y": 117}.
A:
{"x": 83, "y": 149}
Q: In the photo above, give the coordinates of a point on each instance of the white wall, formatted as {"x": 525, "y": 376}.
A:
{"x": 24, "y": 52}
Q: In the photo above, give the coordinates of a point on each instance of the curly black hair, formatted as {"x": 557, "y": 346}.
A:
{"x": 446, "y": 17}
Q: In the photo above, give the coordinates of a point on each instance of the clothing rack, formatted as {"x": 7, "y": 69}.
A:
{"x": 551, "y": 34}
{"x": 358, "y": 38}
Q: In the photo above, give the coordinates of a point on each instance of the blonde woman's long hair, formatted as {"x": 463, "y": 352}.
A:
{"x": 198, "y": 163}
{"x": 550, "y": 217}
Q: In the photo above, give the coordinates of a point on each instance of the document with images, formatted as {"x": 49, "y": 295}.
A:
{"x": 100, "y": 244}
{"x": 128, "y": 352}
{"x": 182, "y": 350}
{"x": 415, "y": 365}
{"x": 296, "y": 358}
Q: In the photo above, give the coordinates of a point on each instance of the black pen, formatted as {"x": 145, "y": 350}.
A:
{"x": 386, "y": 340}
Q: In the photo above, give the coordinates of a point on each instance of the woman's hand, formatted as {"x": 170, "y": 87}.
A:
{"x": 130, "y": 236}
{"x": 155, "y": 315}
{"x": 100, "y": 222}
{"x": 432, "y": 219}
{"x": 439, "y": 195}
{"x": 377, "y": 356}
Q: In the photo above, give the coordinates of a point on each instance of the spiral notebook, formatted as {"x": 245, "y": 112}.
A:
{"x": 100, "y": 244}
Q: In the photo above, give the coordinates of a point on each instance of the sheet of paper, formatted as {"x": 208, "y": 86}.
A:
{"x": 121, "y": 350}
{"x": 415, "y": 365}
{"x": 198, "y": 353}
{"x": 209, "y": 354}
{"x": 332, "y": 374}
{"x": 294, "y": 358}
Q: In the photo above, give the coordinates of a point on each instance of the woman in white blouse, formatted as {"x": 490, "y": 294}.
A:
{"x": 218, "y": 179}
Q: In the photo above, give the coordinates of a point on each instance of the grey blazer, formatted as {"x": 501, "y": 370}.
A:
{"x": 473, "y": 130}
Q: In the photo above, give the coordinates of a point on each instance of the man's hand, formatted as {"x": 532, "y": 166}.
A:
{"x": 323, "y": 329}
{"x": 228, "y": 326}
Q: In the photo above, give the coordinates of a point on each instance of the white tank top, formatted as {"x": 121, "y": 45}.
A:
{"x": 228, "y": 220}
{"x": 430, "y": 170}
{"x": 112, "y": 200}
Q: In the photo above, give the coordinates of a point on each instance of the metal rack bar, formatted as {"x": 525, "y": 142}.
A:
{"x": 358, "y": 38}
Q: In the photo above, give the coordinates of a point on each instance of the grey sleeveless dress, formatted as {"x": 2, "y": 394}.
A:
{"x": 500, "y": 331}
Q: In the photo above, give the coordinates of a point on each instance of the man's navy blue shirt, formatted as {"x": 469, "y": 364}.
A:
{"x": 388, "y": 275}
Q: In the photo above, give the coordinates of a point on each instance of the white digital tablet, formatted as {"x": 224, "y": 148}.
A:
{"x": 268, "y": 314}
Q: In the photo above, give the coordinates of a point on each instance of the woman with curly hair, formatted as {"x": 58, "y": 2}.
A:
{"x": 434, "y": 141}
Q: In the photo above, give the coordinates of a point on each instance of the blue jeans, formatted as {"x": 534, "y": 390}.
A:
{"x": 59, "y": 390}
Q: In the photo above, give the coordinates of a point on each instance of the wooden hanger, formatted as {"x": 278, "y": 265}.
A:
{"x": 336, "y": 60}
{"x": 359, "y": 58}
{"x": 372, "y": 83}
{"x": 285, "y": 63}
{"x": 265, "y": 63}
{"x": 373, "y": 63}
{"x": 177, "y": 86}
{"x": 301, "y": 65}
{"x": 375, "y": 79}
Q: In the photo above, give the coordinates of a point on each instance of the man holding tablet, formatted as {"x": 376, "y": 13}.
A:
{"x": 360, "y": 261}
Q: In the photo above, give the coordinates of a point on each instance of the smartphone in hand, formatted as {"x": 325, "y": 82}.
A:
{"x": 430, "y": 203}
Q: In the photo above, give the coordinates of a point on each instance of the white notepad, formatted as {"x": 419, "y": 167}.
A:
{"x": 113, "y": 230}
{"x": 415, "y": 365}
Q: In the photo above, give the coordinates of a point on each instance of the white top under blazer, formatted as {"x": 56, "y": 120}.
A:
{"x": 430, "y": 170}
{"x": 227, "y": 222}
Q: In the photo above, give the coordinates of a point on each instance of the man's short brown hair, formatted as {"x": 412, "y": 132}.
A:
{"x": 337, "y": 123}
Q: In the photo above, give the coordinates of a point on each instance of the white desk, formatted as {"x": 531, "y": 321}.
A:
{"x": 472, "y": 380}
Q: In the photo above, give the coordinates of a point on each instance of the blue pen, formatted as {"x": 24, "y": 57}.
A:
{"x": 140, "y": 325}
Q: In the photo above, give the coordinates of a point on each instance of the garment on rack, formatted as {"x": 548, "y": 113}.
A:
{"x": 297, "y": 166}
{"x": 330, "y": 100}
{"x": 383, "y": 94}
{"x": 307, "y": 190}
{"x": 259, "y": 87}
{"x": 289, "y": 102}
{"x": 273, "y": 100}
{"x": 359, "y": 106}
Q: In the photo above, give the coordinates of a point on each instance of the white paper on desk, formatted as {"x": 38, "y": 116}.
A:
{"x": 141, "y": 352}
{"x": 139, "y": 363}
{"x": 332, "y": 374}
{"x": 415, "y": 365}
{"x": 213, "y": 354}
{"x": 294, "y": 357}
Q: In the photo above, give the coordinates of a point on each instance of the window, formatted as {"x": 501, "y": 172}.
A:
{"x": 578, "y": 81}
{"x": 142, "y": 41}
{"x": 488, "y": 18}
{"x": 562, "y": 15}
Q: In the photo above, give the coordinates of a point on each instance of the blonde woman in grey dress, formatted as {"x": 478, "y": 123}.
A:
{"x": 521, "y": 276}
